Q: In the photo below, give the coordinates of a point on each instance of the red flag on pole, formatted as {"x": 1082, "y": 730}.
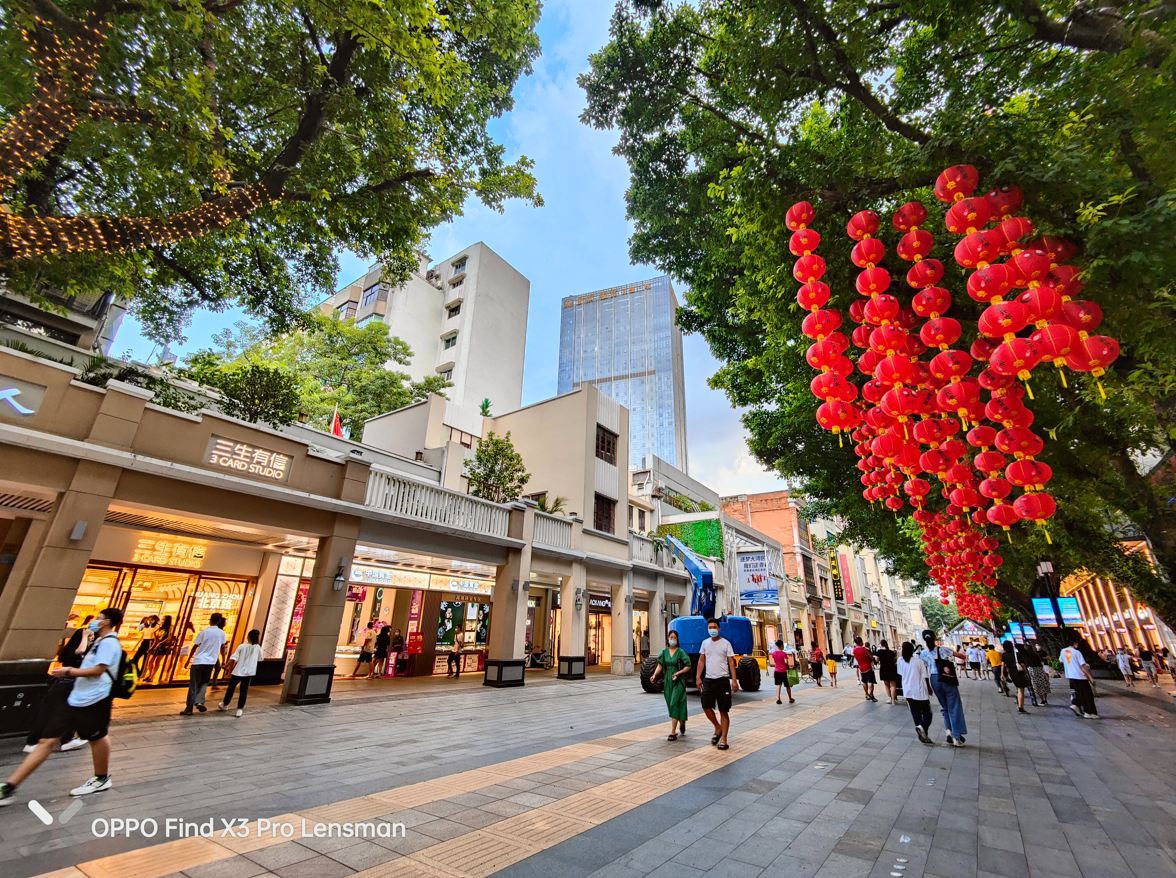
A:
{"x": 336, "y": 424}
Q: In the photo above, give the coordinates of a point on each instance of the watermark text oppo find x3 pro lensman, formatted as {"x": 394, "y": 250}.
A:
{"x": 241, "y": 827}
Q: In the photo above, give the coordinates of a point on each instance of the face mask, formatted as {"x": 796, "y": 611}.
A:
{"x": 93, "y": 626}
{"x": 673, "y": 641}
{"x": 713, "y": 632}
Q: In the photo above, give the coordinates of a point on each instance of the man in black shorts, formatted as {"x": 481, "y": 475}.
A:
{"x": 865, "y": 666}
{"x": 86, "y": 712}
{"x": 716, "y": 681}
{"x": 816, "y": 663}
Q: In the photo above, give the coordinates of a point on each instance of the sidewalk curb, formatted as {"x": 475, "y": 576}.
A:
{"x": 1168, "y": 704}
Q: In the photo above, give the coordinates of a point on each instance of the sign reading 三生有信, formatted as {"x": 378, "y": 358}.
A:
{"x": 247, "y": 460}
{"x": 171, "y": 552}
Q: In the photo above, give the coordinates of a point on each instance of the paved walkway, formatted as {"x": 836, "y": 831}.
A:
{"x": 577, "y": 779}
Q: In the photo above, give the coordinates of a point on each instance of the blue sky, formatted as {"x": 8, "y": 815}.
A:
{"x": 576, "y": 243}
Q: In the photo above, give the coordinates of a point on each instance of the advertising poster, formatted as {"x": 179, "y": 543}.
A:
{"x": 1071, "y": 612}
{"x": 1015, "y": 630}
{"x": 415, "y": 606}
{"x": 1043, "y": 609}
{"x": 415, "y": 644}
{"x": 449, "y": 622}
{"x": 755, "y": 586}
{"x": 846, "y": 580}
{"x": 482, "y": 627}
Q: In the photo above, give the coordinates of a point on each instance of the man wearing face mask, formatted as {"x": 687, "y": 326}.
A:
{"x": 716, "y": 681}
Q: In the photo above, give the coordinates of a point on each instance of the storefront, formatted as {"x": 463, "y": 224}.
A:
{"x": 1110, "y": 616}
{"x": 168, "y": 587}
{"x": 599, "y": 629}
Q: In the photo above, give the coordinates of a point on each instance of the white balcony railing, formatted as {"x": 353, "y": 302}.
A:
{"x": 642, "y": 549}
{"x": 551, "y": 530}
{"x": 438, "y": 505}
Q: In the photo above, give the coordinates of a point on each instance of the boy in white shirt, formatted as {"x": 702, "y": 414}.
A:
{"x": 1078, "y": 674}
{"x": 242, "y": 668}
{"x": 716, "y": 681}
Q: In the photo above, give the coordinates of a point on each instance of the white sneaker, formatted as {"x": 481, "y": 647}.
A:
{"x": 93, "y": 785}
{"x": 1091, "y": 716}
{"x": 29, "y": 748}
{"x": 239, "y": 712}
{"x": 1077, "y": 710}
{"x": 221, "y": 707}
{"x": 73, "y": 744}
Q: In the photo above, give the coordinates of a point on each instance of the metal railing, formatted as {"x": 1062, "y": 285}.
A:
{"x": 552, "y": 530}
{"x": 438, "y": 505}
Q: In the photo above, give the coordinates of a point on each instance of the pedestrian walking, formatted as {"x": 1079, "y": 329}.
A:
{"x": 675, "y": 665}
{"x": 916, "y": 688}
{"x": 1081, "y": 683}
{"x": 396, "y": 652}
{"x": 242, "y": 668}
{"x": 380, "y": 656}
{"x": 940, "y": 662}
{"x": 1015, "y": 674}
{"x": 1148, "y": 660}
{"x": 887, "y": 660}
{"x": 207, "y": 649}
{"x": 831, "y": 667}
{"x": 780, "y": 656}
{"x": 865, "y": 668}
{"x": 816, "y": 662}
{"x": 163, "y": 644}
{"x": 995, "y": 658}
{"x": 849, "y": 662}
{"x": 146, "y": 632}
{"x": 366, "y": 640}
{"x": 716, "y": 681}
{"x": 1039, "y": 686}
{"x": 453, "y": 663}
{"x": 1123, "y": 660}
{"x": 55, "y": 697}
{"x": 85, "y": 712}
{"x": 975, "y": 661}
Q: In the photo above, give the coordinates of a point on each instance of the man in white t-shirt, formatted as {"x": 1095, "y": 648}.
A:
{"x": 85, "y": 713}
{"x": 716, "y": 681}
{"x": 365, "y": 640}
{"x": 1078, "y": 674}
{"x": 975, "y": 661}
{"x": 207, "y": 649}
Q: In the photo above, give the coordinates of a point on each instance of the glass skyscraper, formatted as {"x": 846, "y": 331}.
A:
{"x": 625, "y": 341}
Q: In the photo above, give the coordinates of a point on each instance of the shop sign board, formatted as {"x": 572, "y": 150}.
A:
{"x": 1071, "y": 612}
{"x": 170, "y": 552}
{"x": 598, "y": 603}
{"x": 415, "y": 644}
{"x": 245, "y": 459}
{"x": 226, "y": 602}
{"x": 19, "y": 399}
{"x": 370, "y": 574}
{"x": 415, "y": 605}
{"x": 755, "y": 585}
{"x": 835, "y": 577}
{"x": 873, "y": 623}
{"x": 856, "y": 616}
{"x": 846, "y": 579}
{"x": 1044, "y": 610}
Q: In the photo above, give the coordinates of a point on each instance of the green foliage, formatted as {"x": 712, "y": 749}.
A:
{"x": 252, "y": 391}
{"x": 939, "y": 618}
{"x": 98, "y": 370}
{"x": 729, "y": 112}
{"x": 681, "y": 501}
{"x": 496, "y": 471}
{"x": 552, "y": 507}
{"x": 361, "y": 125}
{"x": 333, "y": 362}
{"x": 704, "y": 537}
{"x": 484, "y": 408}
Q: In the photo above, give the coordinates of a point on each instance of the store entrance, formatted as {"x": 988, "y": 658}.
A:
{"x": 163, "y": 610}
{"x": 599, "y": 638}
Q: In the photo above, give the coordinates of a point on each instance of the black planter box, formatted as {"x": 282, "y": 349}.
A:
{"x": 572, "y": 667}
{"x": 505, "y": 673}
{"x": 310, "y": 684}
{"x": 22, "y": 685}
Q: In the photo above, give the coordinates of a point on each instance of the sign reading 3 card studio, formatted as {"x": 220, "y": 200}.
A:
{"x": 244, "y": 459}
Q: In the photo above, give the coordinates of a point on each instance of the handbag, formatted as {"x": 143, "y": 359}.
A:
{"x": 946, "y": 670}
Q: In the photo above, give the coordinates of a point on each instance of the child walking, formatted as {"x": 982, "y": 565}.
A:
{"x": 831, "y": 664}
{"x": 242, "y": 667}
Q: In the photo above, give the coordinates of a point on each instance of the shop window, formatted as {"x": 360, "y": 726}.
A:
{"x": 603, "y": 514}
{"x": 606, "y": 445}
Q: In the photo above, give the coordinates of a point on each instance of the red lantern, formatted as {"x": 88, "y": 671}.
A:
{"x": 1083, "y": 316}
{"x": 910, "y": 216}
{"x": 868, "y": 362}
{"x": 915, "y": 245}
{"x": 863, "y": 224}
{"x": 867, "y": 252}
{"x": 836, "y": 416}
{"x": 995, "y": 382}
{"x": 1003, "y": 319}
{"x": 893, "y": 370}
{"x": 931, "y": 302}
{"x": 799, "y": 216}
{"x": 965, "y": 498}
{"x": 839, "y": 339}
{"x": 967, "y": 216}
{"x": 1059, "y": 249}
{"x": 804, "y": 242}
{"x": 1019, "y": 442}
{"x": 991, "y": 282}
{"x": 861, "y": 336}
{"x": 819, "y": 324}
{"x": 873, "y": 390}
{"x": 982, "y": 348}
{"x": 934, "y": 462}
{"x": 958, "y": 181}
{"x": 1029, "y": 474}
{"x": 1012, "y": 230}
{"x": 925, "y": 273}
{"x": 1017, "y": 357}
{"x": 873, "y": 281}
{"x": 1003, "y": 515}
{"x": 1005, "y": 200}
{"x": 1037, "y": 506}
{"x": 978, "y": 249}
{"x": 995, "y": 488}
{"x": 1042, "y": 304}
{"x": 887, "y": 340}
{"x": 1030, "y": 266}
{"x": 881, "y": 309}
{"x": 893, "y": 503}
{"x": 901, "y": 402}
{"x": 950, "y": 364}
{"x": 812, "y": 296}
{"x": 822, "y": 355}
{"x": 957, "y": 397}
{"x": 1094, "y": 354}
{"x": 856, "y": 311}
{"x": 830, "y": 385}
{"x": 989, "y": 462}
{"x": 1056, "y": 341}
{"x": 808, "y": 268}
{"x": 1064, "y": 279}
{"x": 981, "y": 437}
{"x": 1003, "y": 410}
{"x": 930, "y": 431}
{"x": 940, "y": 332}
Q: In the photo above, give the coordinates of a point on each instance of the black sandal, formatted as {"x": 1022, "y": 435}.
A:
{"x": 723, "y": 746}
{"x": 715, "y": 739}
{"x": 672, "y": 738}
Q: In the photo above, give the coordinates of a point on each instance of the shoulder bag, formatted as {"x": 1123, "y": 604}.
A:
{"x": 946, "y": 670}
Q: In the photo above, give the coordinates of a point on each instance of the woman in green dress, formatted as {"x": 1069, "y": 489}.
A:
{"x": 675, "y": 664}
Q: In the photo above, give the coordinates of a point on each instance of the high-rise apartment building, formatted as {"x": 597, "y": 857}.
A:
{"x": 465, "y": 318}
{"x": 625, "y": 341}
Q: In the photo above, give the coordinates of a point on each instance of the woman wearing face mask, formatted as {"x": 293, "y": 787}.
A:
{"x": 676, "y": 665}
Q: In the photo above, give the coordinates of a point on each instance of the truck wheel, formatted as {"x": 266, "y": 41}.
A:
{"x": 648, "y": 666}
{"x": 748, "y": 674}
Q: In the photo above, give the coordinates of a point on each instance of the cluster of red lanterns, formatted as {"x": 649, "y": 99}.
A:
{"x": 837, "y": 411}
{"x": 919, "y": 417}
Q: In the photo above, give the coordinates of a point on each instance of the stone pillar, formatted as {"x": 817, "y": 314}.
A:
{"x": 508, "y": 621}
{"x": 309, "y": 679}
{"x": 573, "y": 633}
{"x": 622, "y": 627}
{"x": 837, "y": 643}
{"x": 657, "y": 617}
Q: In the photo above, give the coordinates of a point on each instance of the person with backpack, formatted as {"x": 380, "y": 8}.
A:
{"x": 86, "y": 712}
{"x": 242, "y": 667}
{"x": 207, "y": 649}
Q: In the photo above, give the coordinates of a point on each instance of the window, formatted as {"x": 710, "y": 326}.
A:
{"x": 630, "y": 518}
{"x": 460, "y": 437}
{"x": 455, "y": 310}
{"x": 457, "y": 283}
{"x": 345, "y": 311}
{"x": 641, "y": 520}
{"x": 369, "y": 295}
{"x": 603, "y": 513}
{"x": 459, "y": 266}
{"x": 606, "y": 445}
{"x": 369, "y": 319}
{"x": 449, "y": 341}
{"x": 447, "y": 374}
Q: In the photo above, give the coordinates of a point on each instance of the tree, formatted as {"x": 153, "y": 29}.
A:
{"x": 552, "y": 507}
{"x": 337, "y": 363}
{"x": 496, "y": 471}
{"x": 250, "y": 391}
{"x": 730, "y": 112}
{"x": 939, "y": 618}
{"x": 201, "y": 153}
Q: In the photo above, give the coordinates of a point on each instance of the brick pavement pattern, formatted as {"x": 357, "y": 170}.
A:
{"x": 577, "y": 779}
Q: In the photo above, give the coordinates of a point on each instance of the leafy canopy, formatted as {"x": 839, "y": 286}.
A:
{"x": 496, "y": 471}
{"x": 221, "y": 152}
{"x": 729, "y": 112}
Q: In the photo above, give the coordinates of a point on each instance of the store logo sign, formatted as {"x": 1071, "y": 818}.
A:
{"x": 20, "y": 399}
{"x": 371, "y": 575}
{"x": 246, "y": 459}
{"x": 185, "y": 554}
